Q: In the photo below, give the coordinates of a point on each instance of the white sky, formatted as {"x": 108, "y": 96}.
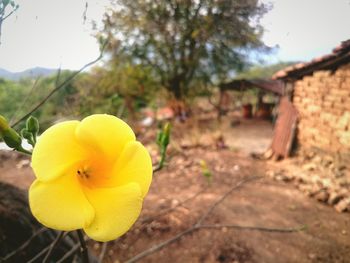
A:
{"x": 305, "y": 29}
{"x": 50, "y": 33}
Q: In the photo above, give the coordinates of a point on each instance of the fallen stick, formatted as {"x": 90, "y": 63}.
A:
{"x": 198, "y": 225}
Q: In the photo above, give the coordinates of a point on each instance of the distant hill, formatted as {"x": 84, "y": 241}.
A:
{"x": 29, "y": 73}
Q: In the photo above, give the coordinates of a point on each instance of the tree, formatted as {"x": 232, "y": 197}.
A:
{"x": 185, "y": 41}
{"x": 7, "y": 8}
{"x": 119, "y": 84}
{"x": 263, "y": 71}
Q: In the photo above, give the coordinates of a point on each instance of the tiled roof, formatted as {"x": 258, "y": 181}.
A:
{"x": 339, "y": 56}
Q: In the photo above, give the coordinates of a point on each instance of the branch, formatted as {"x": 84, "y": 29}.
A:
{"x": 165, "y": 211}
{"x": 63, "y": 84}
{"x": 83, "y": 248}
{"x": 73, "y": 250}
{"x": 158, "y": 167}
{"x": 211, "y": 102}
{"x": 25, "y": 99}
{"x": 160, "y": 245}
{"x": 198, "y": 225}
{"x": 7, "y": 16}
{"x": 103, "y": 252}
{"x": 69, "y": 253}
{"x": 255, "y": 228}
{"x": 40, "y": 254}
{"x": 213, "y": 206}
{"x": 53, "y": 245}
{"x": 24, "y": 245}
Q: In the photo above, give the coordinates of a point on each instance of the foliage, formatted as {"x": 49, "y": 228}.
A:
{"x": 17, "y": 97}
{"x": 185, "y": 41}
{"x": 11, "y": 94}
{"x": 119, "y": 85}
{"x": 263, "y": 71}
{"x": 111, "y": 89}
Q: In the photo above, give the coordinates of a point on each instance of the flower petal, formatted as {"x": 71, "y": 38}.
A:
{"x": 134, "y": 165}
{"x": 56, "y": 150}
{"x": 60, "y": 204}
{"x": 116, "y": 211}
{"x": 105, "y": 133}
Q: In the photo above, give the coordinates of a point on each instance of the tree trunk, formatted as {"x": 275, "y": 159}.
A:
{"x": 17, "y": 225}
{"x": 175, "y": 87}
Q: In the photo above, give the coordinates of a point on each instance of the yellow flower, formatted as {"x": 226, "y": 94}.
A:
{"x": 90, "y": 175}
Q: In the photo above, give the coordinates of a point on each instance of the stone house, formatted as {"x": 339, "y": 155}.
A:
{"x": 320, "y": 92}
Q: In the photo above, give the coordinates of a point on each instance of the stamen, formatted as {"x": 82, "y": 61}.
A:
{"x": 83, "y": 173}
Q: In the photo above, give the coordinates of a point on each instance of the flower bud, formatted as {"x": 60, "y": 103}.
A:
{"x": 3, "y": 125}
{"x": 32, "y": 125}
{"x": 12, "y": 139}
{"x": 9, "y": 135}
{"x": 166, "y": 134}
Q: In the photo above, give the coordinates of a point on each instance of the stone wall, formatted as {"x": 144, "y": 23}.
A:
{"x": 323, "y": 103}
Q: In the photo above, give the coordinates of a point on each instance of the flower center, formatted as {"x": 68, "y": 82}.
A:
{"x": 86, "y": 175}
{"x": 93, "y": 174}
{"x": 83, "y": 173}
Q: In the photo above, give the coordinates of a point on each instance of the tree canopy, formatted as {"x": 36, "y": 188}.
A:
{"x": 185, "y": 41}
{"x": 263, "y": 71}
{"x": 7, "y": 8}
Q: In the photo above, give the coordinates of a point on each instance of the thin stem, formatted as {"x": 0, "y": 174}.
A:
{"x": 53, "y": 245}
{"x": 162, "y": 157}
{"x": 28, "y": 95}
{"x": 256, "y": 228}
{"x": 165, "y": 211}
{"x": 22, "y": 150}
{"x": 103, "y": 252}
{"x": 24, "y": 245}
{"x": 161, "y": 162}
{"x": 69, "y": 253}
{"x": 83, "y": 247}
{"x": 63, "y": 84}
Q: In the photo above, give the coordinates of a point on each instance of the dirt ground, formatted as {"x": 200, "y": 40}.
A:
{"x": 259, "y": 203}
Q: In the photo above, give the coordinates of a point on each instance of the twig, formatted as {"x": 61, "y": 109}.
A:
{"x": 255, "y": 228}
{"x": 25, "y": 99}
{"x": 198, "y": 225}
{"x": 157, "y": 168}
{"x": 40, "y": 254}
{"x": 103, "y": 252}
{"x": 85, "y": 11}
{"x": 9, "y": 14}
{"x": 69, "y": 253}
{"x": 160, "y": 245}
{"x": 165, "y": 211}
{"x": 189, "y": 230}
{"x": 83, "y": 249}
{"x": 53, "y": 245}
{"x": 57, "y": 80}
{"x": 212, "y": 207}
{"x": 24, "y": 245}
{"x": 161, "y": 161}
{"x": 63, "y": 84}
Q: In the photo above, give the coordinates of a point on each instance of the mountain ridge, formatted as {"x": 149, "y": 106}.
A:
{"x": 28, "y": 73}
